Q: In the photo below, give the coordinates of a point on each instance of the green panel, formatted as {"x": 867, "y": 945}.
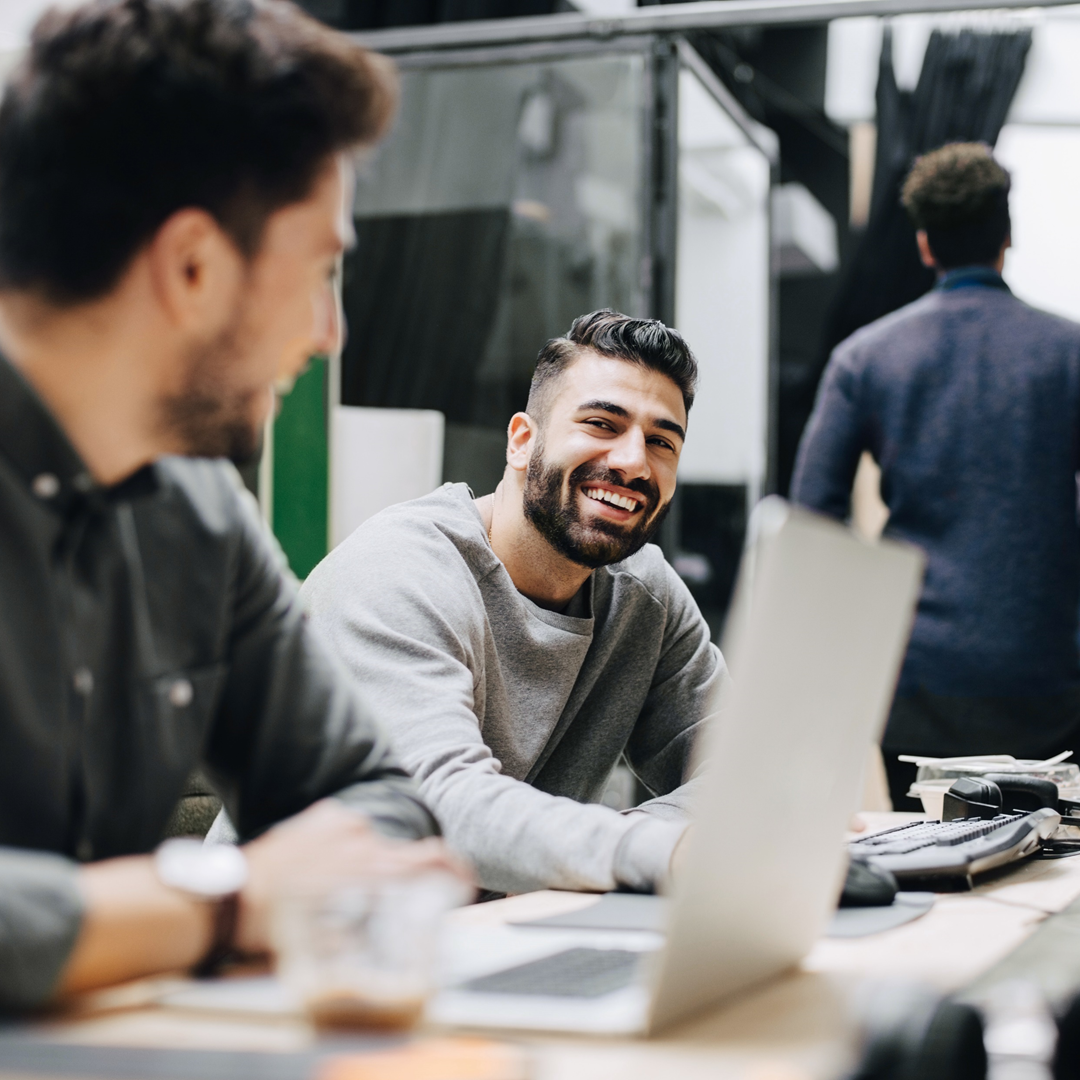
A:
{"x": 301, "y": 470}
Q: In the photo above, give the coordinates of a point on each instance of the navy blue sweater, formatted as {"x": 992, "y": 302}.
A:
{"x": 969, "y": 400}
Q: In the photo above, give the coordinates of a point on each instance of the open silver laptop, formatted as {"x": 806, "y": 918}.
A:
{"x": 818, "y": 630}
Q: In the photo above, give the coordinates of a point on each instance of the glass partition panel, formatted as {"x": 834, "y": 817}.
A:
{"x": 507, "y": 201}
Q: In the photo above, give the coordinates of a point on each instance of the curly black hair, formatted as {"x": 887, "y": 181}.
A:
{"x": 960, "y": 196}
{"x": 125, "y": 111}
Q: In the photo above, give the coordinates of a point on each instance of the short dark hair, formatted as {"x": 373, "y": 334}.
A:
{"x": 960, "y": 195}
{"x": 125, "y": 111}
{"x": 647, "y": 342}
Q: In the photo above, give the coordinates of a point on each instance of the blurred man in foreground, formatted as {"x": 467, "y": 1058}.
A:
{"x": 518, "y": 645}
{"x": 969, "y": 401}
{"x": 173, "y": 202}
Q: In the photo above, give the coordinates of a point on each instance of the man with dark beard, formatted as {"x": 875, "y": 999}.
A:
{"x": 174, "y": 185}
{"x": 520, "y": 644}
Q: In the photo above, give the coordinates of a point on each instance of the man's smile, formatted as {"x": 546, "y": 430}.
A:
{"x": 624, "y": 501}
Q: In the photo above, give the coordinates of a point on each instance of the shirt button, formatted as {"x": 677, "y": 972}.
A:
{"x": 45, "y": 485}
{"x": 85, "y": 850}
{"x": 180, "y": 693}
{"x": 83, "y": 680}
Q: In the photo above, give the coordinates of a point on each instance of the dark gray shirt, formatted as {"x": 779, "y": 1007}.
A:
{"x": 147, "y": 629}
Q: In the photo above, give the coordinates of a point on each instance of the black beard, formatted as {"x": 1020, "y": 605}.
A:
{"x": 207, "y": 425}
{"x": 559, "y": 522}
{"x": 207, "y": 417}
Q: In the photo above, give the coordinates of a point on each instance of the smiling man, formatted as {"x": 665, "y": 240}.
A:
{"x": 173, "y": 194}
{"x": 520, "y": 644}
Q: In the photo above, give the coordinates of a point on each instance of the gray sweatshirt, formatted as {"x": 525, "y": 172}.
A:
{"x": 512, "y": 717}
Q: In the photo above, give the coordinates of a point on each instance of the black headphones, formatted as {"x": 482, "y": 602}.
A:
{"x": 1002, "y": 793}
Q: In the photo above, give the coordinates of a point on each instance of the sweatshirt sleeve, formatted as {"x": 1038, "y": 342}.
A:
{"x": 411, "y": 634}
{"x": 832, "y": 443}
{"x": 686, "y": 691}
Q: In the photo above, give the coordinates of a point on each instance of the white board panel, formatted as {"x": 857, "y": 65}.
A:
{"x": 379, "y": 457}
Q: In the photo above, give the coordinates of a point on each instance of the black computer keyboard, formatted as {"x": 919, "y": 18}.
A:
{"x": 964, "y": 848}
{"x": 573, "y": 973}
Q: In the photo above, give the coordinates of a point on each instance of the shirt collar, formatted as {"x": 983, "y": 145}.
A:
{"x": 35, "y": 445}
{"x": 964, "y": 277}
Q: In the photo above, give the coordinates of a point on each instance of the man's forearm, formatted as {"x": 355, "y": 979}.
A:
{"x": 132, "y": 926}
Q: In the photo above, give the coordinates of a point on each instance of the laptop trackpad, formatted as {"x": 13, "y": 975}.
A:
{"x": 613, "y": 911}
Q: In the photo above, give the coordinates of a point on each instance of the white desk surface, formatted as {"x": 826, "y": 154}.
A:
{"x": 797, "y": 1027}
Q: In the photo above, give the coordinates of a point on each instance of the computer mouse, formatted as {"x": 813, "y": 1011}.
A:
{"x": 867, "y": 886}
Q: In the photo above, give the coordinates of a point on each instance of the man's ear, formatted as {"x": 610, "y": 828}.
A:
{"x": 196, "y": 270}
{"x": 925, "y": 253}
{"x": 519, "y": 440}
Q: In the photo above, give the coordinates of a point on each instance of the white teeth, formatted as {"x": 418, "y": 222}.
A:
{"x": 622, "y": 501}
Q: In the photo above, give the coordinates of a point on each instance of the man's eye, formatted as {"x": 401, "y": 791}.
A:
{"x": 663, "y": 443}
{"x": 603, "y": 424}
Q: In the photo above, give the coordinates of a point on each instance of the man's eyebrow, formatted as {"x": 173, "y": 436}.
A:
{"x": 618, "y": 410}
{"x": 605, "y": 406}
{"x": 670, "y": 425}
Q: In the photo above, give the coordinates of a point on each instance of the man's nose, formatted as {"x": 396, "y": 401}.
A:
{"x": 628, "y": 454}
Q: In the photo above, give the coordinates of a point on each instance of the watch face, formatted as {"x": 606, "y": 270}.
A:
{"x": 209, "y": 870}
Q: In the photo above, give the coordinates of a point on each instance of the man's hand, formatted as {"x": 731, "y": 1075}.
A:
{"x": 325, "y": 843}
{"x": 133, "y": 925}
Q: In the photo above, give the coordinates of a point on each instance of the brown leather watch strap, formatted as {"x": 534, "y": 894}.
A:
{"x": 223, "y": 942}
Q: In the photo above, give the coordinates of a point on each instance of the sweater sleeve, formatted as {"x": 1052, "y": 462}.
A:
{"x": 412, "y": 633}
{"x": 832, "y": 444}
{"x": 687, "y": 686}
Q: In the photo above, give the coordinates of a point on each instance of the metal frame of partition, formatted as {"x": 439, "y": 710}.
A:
{"x": 665, "y": 19}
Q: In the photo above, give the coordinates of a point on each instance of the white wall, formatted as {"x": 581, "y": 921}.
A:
{"x": 722, "y": 291}
{"x": 1042, "y": 267}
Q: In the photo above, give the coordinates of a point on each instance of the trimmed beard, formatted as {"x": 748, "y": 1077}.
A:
{"x": 559, "y": 520}
{"x": 207, "y": 417}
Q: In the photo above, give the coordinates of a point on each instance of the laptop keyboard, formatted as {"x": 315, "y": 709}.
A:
{"x": 585, "y": 973}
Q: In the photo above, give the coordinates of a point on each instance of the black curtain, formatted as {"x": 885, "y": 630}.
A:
{"x": 967, "y": 83}
{"x": 419, "y": 294}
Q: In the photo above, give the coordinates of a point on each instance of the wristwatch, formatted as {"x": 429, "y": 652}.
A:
{"x": 215, "y": 874}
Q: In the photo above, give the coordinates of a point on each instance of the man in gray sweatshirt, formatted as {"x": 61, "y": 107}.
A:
{"x": 518, "y": 645}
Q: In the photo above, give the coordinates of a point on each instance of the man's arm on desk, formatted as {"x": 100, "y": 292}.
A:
{"x": 66, "y": 928}
{"x": 289, "y": 731}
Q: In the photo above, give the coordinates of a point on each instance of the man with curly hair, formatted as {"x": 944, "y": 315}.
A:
{"x": 969, "y": 401}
